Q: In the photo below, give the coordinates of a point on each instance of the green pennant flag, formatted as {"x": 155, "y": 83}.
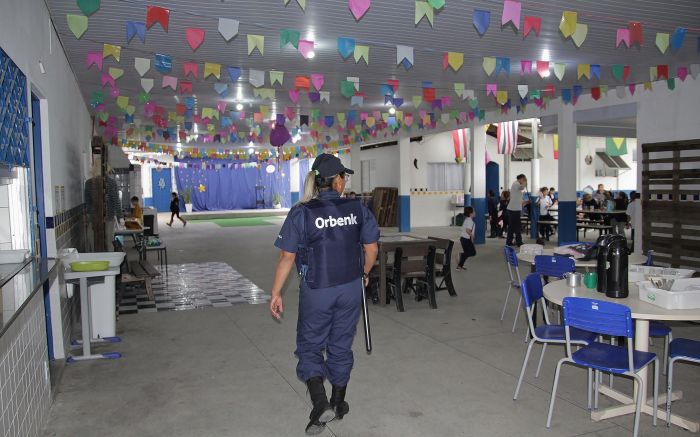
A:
{"x": 417, "y": 100}
{"x": 482, "y": 114}
{"x": 618, "y": 71}
{"x": 289, "y": 36}
{"x": 671, "y": 83}
{"x": 454, "y": 114}
{"x": 347, "y": 88}
{"x": 316, "y": 113}
{"x": 144, "y": 97}
{"x": 615, "y": 146}
{"x": 97, "y": 98}
{"x": 473, "y": 103}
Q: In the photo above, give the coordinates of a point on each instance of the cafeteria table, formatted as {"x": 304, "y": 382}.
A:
{"x": 642, "y": 313}
{"x": 389, "y": 243}
{"x": 634, "y": 258}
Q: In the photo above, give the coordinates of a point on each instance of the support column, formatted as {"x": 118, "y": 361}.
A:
{"x": 567, "y": 174}
{"x": 535, "y": 179}
{"x": 404, "y": 213}
{"x": 507, "y": 180}
{"x": 356, "y": 166}
{"x": 477, "y": 148}
{"x": 468, "y": 178}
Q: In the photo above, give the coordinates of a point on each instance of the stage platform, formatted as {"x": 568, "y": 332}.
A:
{"x": 236, "y": 213}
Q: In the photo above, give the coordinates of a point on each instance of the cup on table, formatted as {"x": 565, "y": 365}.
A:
{"x": 590, "y": 280}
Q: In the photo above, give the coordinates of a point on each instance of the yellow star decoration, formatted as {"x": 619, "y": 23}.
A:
{"x": 202, "y": 188}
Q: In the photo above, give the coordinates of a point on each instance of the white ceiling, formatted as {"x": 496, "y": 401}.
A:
{"x": 386, "y": 24}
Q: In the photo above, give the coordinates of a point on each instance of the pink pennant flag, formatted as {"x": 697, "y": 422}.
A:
{"x": 511, "y": 12}
{"x": 107, "y": 79}
{"x": 358, "y": 8}
{"x": 531, "y": 23}
{"x": 408, "y": 119}
{"x": 463, "y": 117}
{"x": 682, "y": 73}
{"x": 195, "y": 37}
{"x": 317, "y": 79}
{"x": 363, "y": 116}
{"x": 169, "y": 81}
{"x": 94, "y": 58}
{"x": 306, "y": 48}
{"x": 290, "y": 113}
{"x": 446, "y": 101}
{"x": 191, "y": 68}
{"x": 550, "y": 90}
{"x": 525, "y": 66}
{"x": 394, "y": 83}
{"x": 632, "y": 87}
{"x": 471, "y": 115}
{"x": 623, "y": 35}
{"x": 422, "y": 113}
{"x": 543, "y": 68}
{"x": 294, "y": 95}
{"x": 221, "y": 106}
{"x": 114, "y": 92}
{"x": 445, "y": 61}
{"x": 491, "y": 89}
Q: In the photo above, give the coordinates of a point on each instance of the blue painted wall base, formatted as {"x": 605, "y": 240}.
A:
{"x": 567, "y": 221}
{"x": 467, "y": 200}
{"x": 404, "y": 219}
{"x": 295, "y": 197}
{"x": 479, "y": 205}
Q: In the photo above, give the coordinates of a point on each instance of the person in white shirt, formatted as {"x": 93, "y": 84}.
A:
{"x": 466, "y": 239}
{"x": 515, "y": 207}
{"x": 545, "y": 202}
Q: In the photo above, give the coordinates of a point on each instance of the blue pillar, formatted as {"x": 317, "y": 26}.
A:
{"x": 479, "y": 205}
{"x": 404, "y": 213}
{"x": 567, "y": 221}
{"x": 467, "y": 200}
{"x": 534, "y": 217}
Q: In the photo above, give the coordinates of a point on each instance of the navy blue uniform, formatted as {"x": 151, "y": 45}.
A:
{"x": 328, "y": 314}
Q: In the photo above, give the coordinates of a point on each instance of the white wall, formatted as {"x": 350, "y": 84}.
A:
{"x": 28, "y": 37}
{"x": 386, "y": 166}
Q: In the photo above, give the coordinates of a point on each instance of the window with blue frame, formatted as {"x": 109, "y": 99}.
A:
{"x": 14, "y": 120}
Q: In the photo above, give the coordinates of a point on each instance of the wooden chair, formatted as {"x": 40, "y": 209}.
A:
{"x": 443, "y": 265}
{"x": 414, "y": 268}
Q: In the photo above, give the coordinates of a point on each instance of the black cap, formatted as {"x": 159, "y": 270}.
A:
{"x": 327, "y": 165}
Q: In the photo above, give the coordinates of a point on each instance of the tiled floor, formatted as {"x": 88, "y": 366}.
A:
{"x": 193, "y": 286}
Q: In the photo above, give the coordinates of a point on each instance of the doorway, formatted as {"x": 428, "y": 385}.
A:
{"x": 492, "y": 178}
{"x": 162, "y": 188}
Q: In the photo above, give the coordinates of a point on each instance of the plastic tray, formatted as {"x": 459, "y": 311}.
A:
{"x": 672, "y": 300}
{"x": 89, "y": 266}
{"x": 640, "y": 273}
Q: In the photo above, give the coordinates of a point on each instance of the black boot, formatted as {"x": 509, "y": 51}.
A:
{"x": 322, "y": 411}
{"x": 338, "y": 403}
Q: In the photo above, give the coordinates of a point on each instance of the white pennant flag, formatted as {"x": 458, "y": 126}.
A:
{"x": 620, "y": 91}
{"x": 147, "y": 84}
{"x": 468, "y": 94}
{"x": 228, "y": 28}
{"x": 325, "y": 95}
{"x": 694, "y": 70}
{"x": 257, "y": 78}
{"x": 523, "y": 90}
{"x": 142, "y": 65}
{"x": 404, "y": 52}
{"x": 356, "y": 81}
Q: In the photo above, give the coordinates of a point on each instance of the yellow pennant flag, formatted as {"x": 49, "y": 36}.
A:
{"x": 424, "y": 9}
{"x": 370, "y": 121}
{"x": 122, "y": 102}
{"x": 455, "y": 60}
{"x": 567, "y": 26}
{"x": 111, "y": 50}
{"x": 172, "y": 115}
{"x": 212, "y": 69}
{"x": 584, "y": 70}
{"x": 399, "y": 115}
{"x": 276, "y": 76}
{"x": 647, "y": 86}
{"x": 116, "y": 73}
{"x": 265, "y": 110}
{"x": 256, "y": 42}
{"x": 489, "y": 65}
{"x": 361, "y": 52}
{"x": 653, "y": 71}
{"x": 502, "y": 97}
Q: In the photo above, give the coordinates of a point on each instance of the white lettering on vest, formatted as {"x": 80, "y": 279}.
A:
{"x": 332, "y": 222}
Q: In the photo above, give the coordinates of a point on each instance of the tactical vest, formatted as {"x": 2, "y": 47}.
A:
{"x": 331, "y": 253}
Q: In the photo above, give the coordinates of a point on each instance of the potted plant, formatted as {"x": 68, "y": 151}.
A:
{"x": 276, "y": 201}
{"x": 187, "y": 195}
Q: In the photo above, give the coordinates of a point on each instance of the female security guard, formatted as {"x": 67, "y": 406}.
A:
{"x": 325, "y": 235}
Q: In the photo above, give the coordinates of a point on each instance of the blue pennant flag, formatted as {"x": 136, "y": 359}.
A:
{"x": 503, "y": 64}
{"x": 566, "y": 95}
{"x": 329, "y": 120}
{"x": 398, "y": 102}
{"x": 128, "y": 118}
{"x": 595, "y": 71}
{"x": 426, "y": 84}
{"x": 482, "y": 20}
{"x": 164, "y": 63}
{"x": 677, "y": 38}
{"x": 346, "y": 47}
{"x": 234, "y": 73}
{"x": 135, "y": 28}
{"x": 388, "y": 99}
{"x": 386, "y": 90}
{"x": 189, "y": 102}
{"x": 406, "y": 64}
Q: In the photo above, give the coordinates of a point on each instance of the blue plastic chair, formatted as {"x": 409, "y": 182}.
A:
{"x": 514, "y": 280}
{"x": 605, "y": 318}
{"x": 554, "y": 266}
{"x": 531, "y": 290}
{"x": 658, "y": 329}
{"x": 681, "y": 349}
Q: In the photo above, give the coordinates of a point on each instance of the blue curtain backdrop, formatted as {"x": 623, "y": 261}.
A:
{"x": 232, "y": 188}
{"x": 304, "y": 167}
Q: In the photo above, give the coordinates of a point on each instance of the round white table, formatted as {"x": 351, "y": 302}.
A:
{"x": 642, "y": 313}
{"x": 634, "y": 258}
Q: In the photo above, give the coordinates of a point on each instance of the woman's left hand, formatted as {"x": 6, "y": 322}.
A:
{"x": 276, "y": 307}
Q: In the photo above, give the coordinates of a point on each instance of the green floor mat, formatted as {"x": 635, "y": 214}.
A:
{"x": 243, "y": 221}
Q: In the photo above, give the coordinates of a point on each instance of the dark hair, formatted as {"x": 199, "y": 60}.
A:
{"x": 173, "y": 194}
{"x": 520, "y": 176}
{"x": 135, "y": 199}
{"x": 491, "y": 193}
{"x": 468, "y": 210}
{"x": 325, "y": 184}
{"x": 543, "y": 189}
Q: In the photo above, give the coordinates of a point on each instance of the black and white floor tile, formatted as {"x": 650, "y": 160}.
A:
{"x": 193, "y": 286}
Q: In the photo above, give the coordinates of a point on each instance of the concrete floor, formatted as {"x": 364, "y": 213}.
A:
{"x": 231, "y": 371}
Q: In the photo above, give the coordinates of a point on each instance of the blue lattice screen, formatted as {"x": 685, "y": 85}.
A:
{"x": 14, "y": 125}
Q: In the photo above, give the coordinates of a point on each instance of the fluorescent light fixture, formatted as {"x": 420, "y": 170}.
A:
{"x": 239, "y": 107}
{"x": 392, "y": 111}
{"x": 312, "y": 55}
{"x": 251, "y": 151}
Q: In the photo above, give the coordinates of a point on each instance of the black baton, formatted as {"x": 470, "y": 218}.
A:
{"x": 365, "y": 319}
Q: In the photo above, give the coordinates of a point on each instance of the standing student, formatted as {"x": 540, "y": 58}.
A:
{"x": 333, "y": 242}
{"x": 503, "y": 213}
{"x": 467, "y": 237}
{"x": 493, "y": 214}
{"x": 175, "y": 210}
{"x": 544, "y": 202}
{"x": 515, "y": 207}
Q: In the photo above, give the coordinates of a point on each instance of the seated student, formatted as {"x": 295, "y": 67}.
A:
{"x": 136, "y": 211}
{"x": 544, "y": 202}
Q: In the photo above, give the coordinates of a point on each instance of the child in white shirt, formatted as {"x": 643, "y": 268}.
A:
{"x": 467, "y": 237}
